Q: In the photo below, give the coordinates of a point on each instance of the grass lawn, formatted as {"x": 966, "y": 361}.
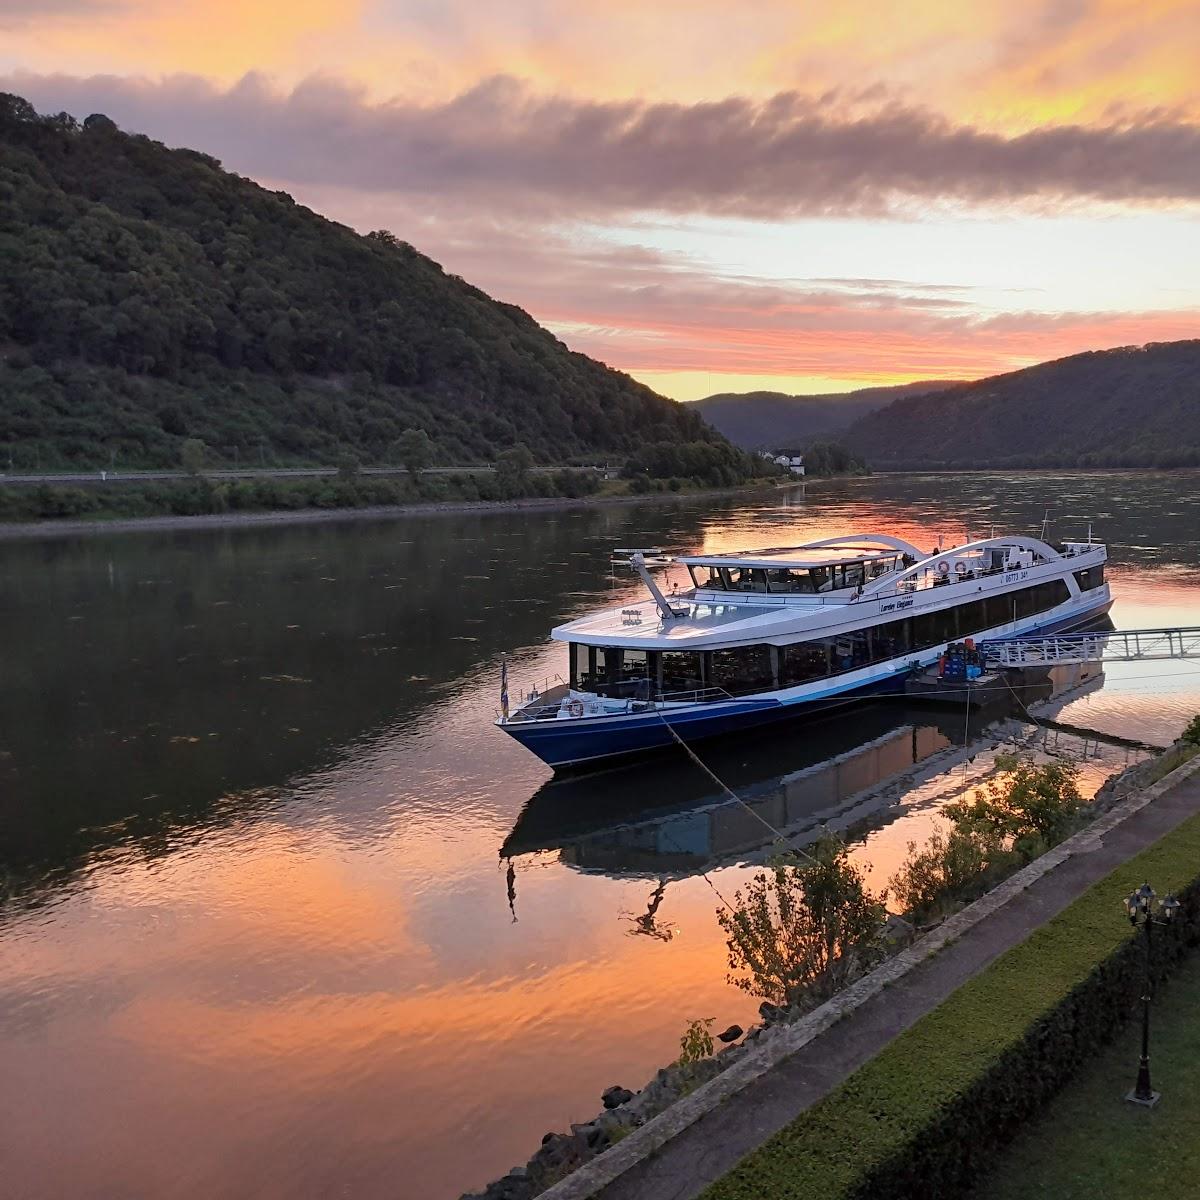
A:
{"x": 1091, "y": 1144}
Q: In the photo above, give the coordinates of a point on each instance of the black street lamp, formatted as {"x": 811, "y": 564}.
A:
{"x": 1143, "y": 911}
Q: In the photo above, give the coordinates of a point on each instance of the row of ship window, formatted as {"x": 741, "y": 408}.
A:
{"x": 793, "y": 580}
{"x": 738, "y": 670}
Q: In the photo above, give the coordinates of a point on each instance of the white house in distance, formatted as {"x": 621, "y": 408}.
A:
{"x": 793, "y": 462}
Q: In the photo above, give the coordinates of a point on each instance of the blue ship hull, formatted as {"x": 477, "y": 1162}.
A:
{"x": 586, "y": 741}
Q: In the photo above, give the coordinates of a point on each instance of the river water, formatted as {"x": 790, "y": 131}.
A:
{"x": 285, "y": 916}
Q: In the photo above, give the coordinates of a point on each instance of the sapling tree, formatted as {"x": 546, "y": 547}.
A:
{"x": 802, "y": 926}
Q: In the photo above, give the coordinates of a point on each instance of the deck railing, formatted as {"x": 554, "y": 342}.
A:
{"x": 1119, "y": 646}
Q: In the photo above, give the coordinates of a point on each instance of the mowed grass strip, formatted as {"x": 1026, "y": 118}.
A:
{"x": 1090, "y": 1142}
{"x": 928, "y": 1113}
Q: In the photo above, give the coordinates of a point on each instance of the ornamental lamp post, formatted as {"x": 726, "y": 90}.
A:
{"x": 1143, "y": 911}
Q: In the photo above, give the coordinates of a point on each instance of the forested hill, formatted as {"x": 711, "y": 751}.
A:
{"x": 777, "y": 421}
{"x": 148, "y": 297}
{"x": 1132, "y": 406}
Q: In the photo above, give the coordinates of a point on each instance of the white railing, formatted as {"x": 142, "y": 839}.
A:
{"x": 1120, "y": 646}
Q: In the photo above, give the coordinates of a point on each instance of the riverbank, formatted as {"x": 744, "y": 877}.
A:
{"x": 751, "y": 1092}
{"x": 70, "y": 527}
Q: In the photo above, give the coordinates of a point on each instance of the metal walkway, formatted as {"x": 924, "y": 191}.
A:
{"x": 1128, "y": 645}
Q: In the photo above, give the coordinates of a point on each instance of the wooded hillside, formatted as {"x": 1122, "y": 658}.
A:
{"x": 778, "y": 421}
{"x": 1135, "y": 406}
{"x": 148, "y": 297}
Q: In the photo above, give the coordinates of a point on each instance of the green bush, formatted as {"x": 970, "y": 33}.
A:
{"x": 802, "y": 928}
{"x": 1192, "y": 732}
{"x": 926, "y": 1115}
{"x": 1004, "y": 825}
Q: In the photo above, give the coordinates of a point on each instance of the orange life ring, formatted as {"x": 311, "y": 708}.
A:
{"x": 960, "y": 568}
{"x": 943, "y": 568}
{"x": 575, "y": 708}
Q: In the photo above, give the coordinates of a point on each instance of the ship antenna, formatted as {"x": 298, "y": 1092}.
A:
{"x": 1045, "y": 522}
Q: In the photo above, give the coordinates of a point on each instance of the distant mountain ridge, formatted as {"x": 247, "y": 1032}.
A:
{"x": 149, "y": 297}
{"x": 1125, "y": 407}
{"x": 775, "y": 420}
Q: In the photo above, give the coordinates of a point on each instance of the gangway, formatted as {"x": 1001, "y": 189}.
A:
{"x": 1129, "y": 645}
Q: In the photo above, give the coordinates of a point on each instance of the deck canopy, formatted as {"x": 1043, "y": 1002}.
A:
{"x": 832, "y": 565}
{"x": 855, "y": 548}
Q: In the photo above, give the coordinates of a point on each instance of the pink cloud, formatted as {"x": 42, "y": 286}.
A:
{"x": 499, "y": 143}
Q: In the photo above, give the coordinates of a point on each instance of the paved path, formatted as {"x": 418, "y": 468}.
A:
{"x": 707, "y": 1149}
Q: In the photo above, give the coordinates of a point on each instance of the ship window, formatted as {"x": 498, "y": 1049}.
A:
{"x": 890, "y": 640}
{"x": 740, "y": 669}
{"x": 972, "y": 618}
{"x": 849, "y": 651}
{"x": 881, "y": 566}
{"x": 681, "y": 671}
{"x": 748, "y": 579}
{"x": 1090, "y": 577}
{"x": 579, "y": 664}
{"x": 1026, "y": 602}
{"x": 784, "y": 580}
{"x": 707, "y": 577}
{"x": 616, "y": 671}
{"x": 804, "y": 661}
{"x": 852, "y": 575}
{"x": 822, "y": 580}
{"x": 999, "y": 610}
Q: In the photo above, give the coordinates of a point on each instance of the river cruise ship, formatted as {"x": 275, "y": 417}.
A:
{"x": 768, "y": 635}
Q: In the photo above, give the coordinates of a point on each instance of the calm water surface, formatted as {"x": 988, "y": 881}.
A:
{"x": 284, "y": 916}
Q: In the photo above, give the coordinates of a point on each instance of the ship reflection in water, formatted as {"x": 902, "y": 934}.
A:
{"x": 835, "y": 778}
{"x": 851, "y": 775}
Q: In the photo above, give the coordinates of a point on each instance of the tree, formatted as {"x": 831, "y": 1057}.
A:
{"x": 1012, "y": 820}
{"x": 191, "y": 456}
{"x": 513, "y": 467}
{"x": 347, "y": 467}
{"x": 414, "y": 448}
{"x": 1029, "y": 801}
{"x": 802, "y": 927}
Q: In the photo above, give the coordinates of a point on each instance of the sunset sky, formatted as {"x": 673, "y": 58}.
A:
{"x": 713, "y": 197}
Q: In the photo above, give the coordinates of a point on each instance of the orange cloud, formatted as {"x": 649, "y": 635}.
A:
{"x": 1007, "y": 66}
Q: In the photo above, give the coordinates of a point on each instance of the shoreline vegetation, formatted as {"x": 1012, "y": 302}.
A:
{"x": 101, "y": 522}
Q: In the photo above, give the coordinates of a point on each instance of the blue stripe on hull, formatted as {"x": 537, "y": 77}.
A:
{"x": 574, "y": 742}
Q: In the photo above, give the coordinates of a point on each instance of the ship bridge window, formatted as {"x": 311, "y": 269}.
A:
{"x": 747, "y": 579}
{"x": 708, "y": 578}
{"x": 880, "y": 566}
{"x": 785, "y": 580}
{"x": 848, "y": 575}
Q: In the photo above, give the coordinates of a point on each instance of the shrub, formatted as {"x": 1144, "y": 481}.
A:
{"x": 1007, "y": 823}
{"x": 191, "y": 456}
{"x": 1029, "y": 802}
{"x": 947, "y": 866}
{"x": 696, "y": 1043}
{"x": 1192, "y": 732}
{"x": 802, "y": 927}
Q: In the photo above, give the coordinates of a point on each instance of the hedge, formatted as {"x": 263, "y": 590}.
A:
{"x": 928, "y": 1114}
